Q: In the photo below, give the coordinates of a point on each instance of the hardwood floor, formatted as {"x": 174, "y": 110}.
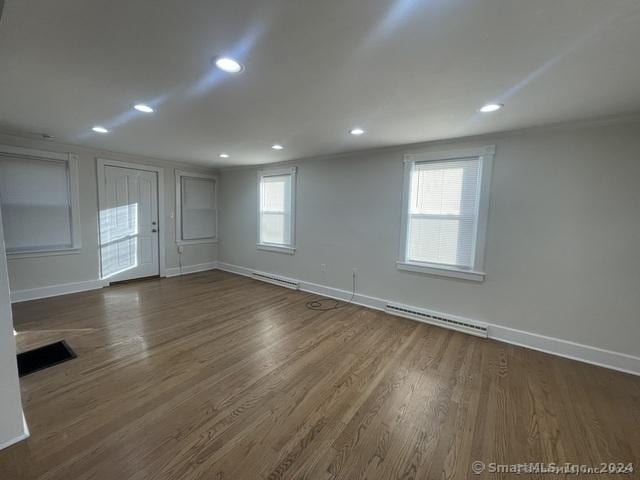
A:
{"x": 217, "y": 376}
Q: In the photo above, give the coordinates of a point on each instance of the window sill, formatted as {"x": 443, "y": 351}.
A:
{"x": 43, "y": 253}
{"x": 442, "y": 271}
{"x": 197, "y": 242}
{"x": 276, "y": 248}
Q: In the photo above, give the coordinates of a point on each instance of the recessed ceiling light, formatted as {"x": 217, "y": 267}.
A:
{"x": 277, "y": 146}
{"x": 99, "y": 129}
{"x": 224, "y": 155}
{"x": 356, "y": 131}
{"x": 141, "y": 107}
{"x": 228, "y": 64}
{"x": 491, "y": 107}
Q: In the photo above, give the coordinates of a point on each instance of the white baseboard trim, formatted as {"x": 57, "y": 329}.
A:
{"x": 55, "y": 290}
{"x": 66, "y": 288}
{"x": 23, "y": 436}
{"x": 227, "y": 267}
{"x": 201, "y": 267}
{"x": 358, "y": 298}
{"x": 568, "y": 349}
{"x": 555, "y": 346}
{"x": 318, "y": 289}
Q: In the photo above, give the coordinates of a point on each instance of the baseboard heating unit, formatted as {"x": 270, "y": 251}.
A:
{"x": 276, "y": 280}
{"x": 447, "y": 321}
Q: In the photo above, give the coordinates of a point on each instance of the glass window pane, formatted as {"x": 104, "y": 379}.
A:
{"x": 443, "y": 212}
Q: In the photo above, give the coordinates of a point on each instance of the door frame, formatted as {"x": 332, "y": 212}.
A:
{"x": 103, "y": 162}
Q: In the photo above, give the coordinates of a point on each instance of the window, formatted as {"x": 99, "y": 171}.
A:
{"x": 276, "y": 207}
{"x": 39, "y": 201}
{"x": 196, "y": 208}
{"x": 445, "y": 212}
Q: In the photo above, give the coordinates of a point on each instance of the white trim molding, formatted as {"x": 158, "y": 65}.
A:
{"x": 441, "y": 272}
{"x": 201, "y": 267}
{"x": 476, "y": 272}
{"x": 71, "y": 161}
{"x": 276, "y": 248}
{"x": 563, "y": 348}
{"x": 55, "y": 290}
{"x": 429, "y": 156}
{"x": 32, "y": 152}
{"x": 272, "y": 247}
{"x": 568, "y": 349}
{"x": 22, "y": 436}
{"x": 51, "y": 253}
{"x": 358, "y": 299}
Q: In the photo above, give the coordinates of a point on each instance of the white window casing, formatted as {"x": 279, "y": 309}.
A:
{"x": 276, "y": 209}
{"x": 39, "y": 201}
{"x": 445, "y": 212}
{"x": 196, "y": 208}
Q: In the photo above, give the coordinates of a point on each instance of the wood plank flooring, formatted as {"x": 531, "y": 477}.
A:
{"x": 216, "y": 376}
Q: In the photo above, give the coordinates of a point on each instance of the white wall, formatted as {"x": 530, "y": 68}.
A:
{"x": 11, "y": 423}
{"x": 37, "y": 272}
{"x": 562, "y": 255}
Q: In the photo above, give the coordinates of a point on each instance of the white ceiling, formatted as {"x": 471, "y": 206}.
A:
{"x": 405, "y": 70}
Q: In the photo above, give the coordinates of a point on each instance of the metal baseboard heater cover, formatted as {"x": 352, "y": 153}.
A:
{"x": 276, "y": 280}
{"x": 452, "y": 322}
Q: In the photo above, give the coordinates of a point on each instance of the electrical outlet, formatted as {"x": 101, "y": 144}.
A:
{"x": 323, "y": 267}
{"x": 180, "y": 249}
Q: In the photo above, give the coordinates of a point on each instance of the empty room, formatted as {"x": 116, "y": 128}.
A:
{"x": 337, "y": 239}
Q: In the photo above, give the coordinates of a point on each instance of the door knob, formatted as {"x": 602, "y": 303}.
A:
{"x": 154, "y": 231}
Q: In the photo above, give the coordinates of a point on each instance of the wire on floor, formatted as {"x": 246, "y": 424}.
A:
{"x": 325, "y": 303}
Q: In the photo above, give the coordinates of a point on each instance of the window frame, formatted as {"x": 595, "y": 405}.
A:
{"x": 74, "y": 200}
{"x": 476, "y": 272}
{"x": 274, "y": 247}
{"x": 179, "y": 175}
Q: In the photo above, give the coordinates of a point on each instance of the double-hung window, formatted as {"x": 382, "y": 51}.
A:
{"x": 39, "y": 201}
{"x": 276, "y": 209}
{"x": 196, "y": 208}
{"x": 445, "y": 212}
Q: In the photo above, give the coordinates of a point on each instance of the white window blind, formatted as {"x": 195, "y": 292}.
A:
{"x": 275, "y": 210}
{"x": 196, "y": 207}
{"x": 446, "y": 211}
{"x": 443, "y": 212}
{"x": 37, "y": 204}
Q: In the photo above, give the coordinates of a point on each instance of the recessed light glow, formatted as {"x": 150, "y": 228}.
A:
{"x": 141, "y": 107}
{"x": 99, "y": 129}
{"x": 491, "y": 107}
{"x": 224, "y": 155}
{"x": 357, "y": 131}
{"x": 277, "y": 147}
{"x": 228, "y": 65}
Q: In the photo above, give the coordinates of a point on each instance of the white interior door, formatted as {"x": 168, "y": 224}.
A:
{"x": 129, "y": 224}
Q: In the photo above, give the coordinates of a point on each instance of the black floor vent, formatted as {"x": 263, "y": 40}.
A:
{"x": 44, "y": 357}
